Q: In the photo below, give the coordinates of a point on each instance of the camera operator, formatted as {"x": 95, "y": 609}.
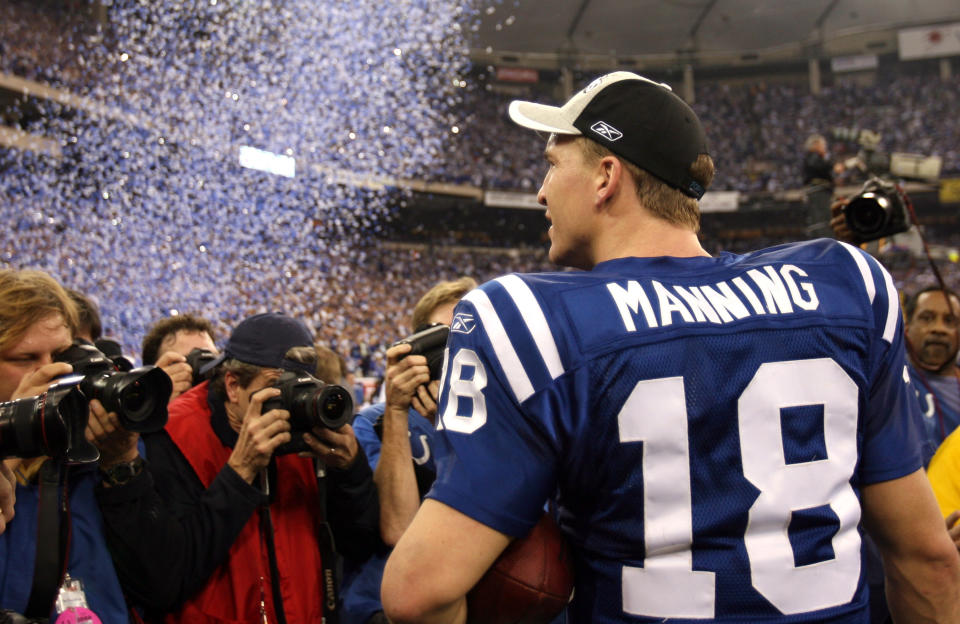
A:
{"x": 169, "y": 341}
{"x": 37, "y": 321}
{"x": 403, "y": 460}
{"x": 818, "y": 172}
{"x": 217, "y": 526}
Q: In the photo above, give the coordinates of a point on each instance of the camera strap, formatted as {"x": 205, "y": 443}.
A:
{"x": 53, "y": 537}
{"x": 328, "y": 552}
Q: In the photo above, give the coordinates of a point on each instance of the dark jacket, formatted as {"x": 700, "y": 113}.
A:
{"x": 169, "y": 532}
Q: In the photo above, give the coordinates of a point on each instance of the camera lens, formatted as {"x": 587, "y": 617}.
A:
{"x": 867, "y": 213}
{"x": 133, "y": 400}
{"x": 52, "y": 424}
{"x": 139, "y": 397}
{"x": 333, "y": 407}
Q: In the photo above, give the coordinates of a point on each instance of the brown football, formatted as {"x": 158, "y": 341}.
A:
{"x": 530, "y": 583}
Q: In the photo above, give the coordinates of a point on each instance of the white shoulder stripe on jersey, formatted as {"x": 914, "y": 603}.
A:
{"x": 864, "y": 269}
{"x": 502, "y": 347}
{"x": 893, "y": 306}
{"x": 535, "y": 321}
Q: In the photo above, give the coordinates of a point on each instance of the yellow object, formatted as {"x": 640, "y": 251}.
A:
{"x": 950, "y": 190}
{"x": 944, "y": 474}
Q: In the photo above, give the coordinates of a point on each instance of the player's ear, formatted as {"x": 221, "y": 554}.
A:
{"x": 609, "y": 178}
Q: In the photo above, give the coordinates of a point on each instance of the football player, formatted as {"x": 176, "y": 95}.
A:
{"x": 716, "y": 430}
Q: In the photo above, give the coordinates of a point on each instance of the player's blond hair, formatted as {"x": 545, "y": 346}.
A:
{"x": 661, "y": 199}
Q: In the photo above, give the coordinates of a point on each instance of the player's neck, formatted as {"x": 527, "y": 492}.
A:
{"x": 649, "y": 237}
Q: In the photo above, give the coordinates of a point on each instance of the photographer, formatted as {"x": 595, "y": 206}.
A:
{"x": 818, "y": 172}
{"x": 37, "y": 321}
{"x": 170, "y": 340}
{"x": 217, "y": 526}
{"x": 397, "y": 436}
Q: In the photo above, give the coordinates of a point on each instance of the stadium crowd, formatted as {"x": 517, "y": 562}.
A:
{"x": 756, "y": 129}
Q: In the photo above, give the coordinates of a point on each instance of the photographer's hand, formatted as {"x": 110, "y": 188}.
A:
{"x": 406, "y": 377}
{"x": 425, "y": 401}
{"x": 8, "y": 496}
{"x": 405, "y": 373}
{"x": 37, "y": 382}
{"x": 179, "y": 372}
{"x": 34, "y": 384}
{"x": 838, "y": 221}
{"x": 260, "y": 435}
{"x": 337, "y": 448}
{"x": 116, "y": 444}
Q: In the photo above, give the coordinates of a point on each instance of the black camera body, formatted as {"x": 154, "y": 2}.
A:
{"x": 139, "y": 396}
{"x": 311, "y": 403}
{"x": 430, "y": 343}
{"x": 52, "y": 424}
{"x": 197, "y": 359}
{"x": 113, "y": 350}
{"x": 878, "y": 210}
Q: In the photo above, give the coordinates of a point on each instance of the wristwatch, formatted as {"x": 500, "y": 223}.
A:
{"x": 119, "y": 474}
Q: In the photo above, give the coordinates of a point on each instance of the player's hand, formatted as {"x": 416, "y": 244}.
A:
{"x": 405, "y": 373}
{"x": 179, "y": 372}
{"x": 337, "y": 448}
{"x": 116, "y": 444}
{"x": 425, "y": 401}
{"x": 838, "y": 222}
{"x": 953, "y": 528}
{"x": 37, "y": 382}
{"x": 8, "y": 496}
{"x": 260, "y": 435}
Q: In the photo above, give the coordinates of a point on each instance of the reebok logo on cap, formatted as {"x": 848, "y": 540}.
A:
{"x": 606, "y": 131}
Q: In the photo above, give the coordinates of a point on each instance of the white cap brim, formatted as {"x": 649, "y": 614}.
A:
{"x": 541, "y": 117}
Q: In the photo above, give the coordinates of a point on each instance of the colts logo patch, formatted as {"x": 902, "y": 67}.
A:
{"x": 606, "y": 131}
{"x": 463, "y": 323}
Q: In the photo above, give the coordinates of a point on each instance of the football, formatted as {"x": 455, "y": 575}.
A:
{"x": 530, "y": 583}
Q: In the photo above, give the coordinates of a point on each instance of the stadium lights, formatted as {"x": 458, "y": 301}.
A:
{"x": 261, "y": 160}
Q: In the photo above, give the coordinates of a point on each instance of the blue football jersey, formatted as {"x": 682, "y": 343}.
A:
{"x": 705, "y": 426}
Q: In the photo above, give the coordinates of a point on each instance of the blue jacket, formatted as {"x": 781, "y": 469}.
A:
{"x": 88, "y": 558}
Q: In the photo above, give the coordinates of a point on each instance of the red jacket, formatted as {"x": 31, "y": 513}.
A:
{"x": 233, "y": 593}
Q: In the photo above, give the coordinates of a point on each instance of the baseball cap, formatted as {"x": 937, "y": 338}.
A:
{"x": 263, "y": 340}
{"x": 634, "y": 117}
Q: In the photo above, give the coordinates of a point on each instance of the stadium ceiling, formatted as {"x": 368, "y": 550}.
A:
{"x": 605, "y": 33}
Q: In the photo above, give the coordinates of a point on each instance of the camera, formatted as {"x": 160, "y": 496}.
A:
{"x": 311, "y": 403}
{"x": 112, "y": 349}
{"x": 878, "y": 210}
{"x": 430, "y": 343}
{"x": 53, "y": 424}
{"x": 197, "y": 359}
{"x": 139, "y": 396}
